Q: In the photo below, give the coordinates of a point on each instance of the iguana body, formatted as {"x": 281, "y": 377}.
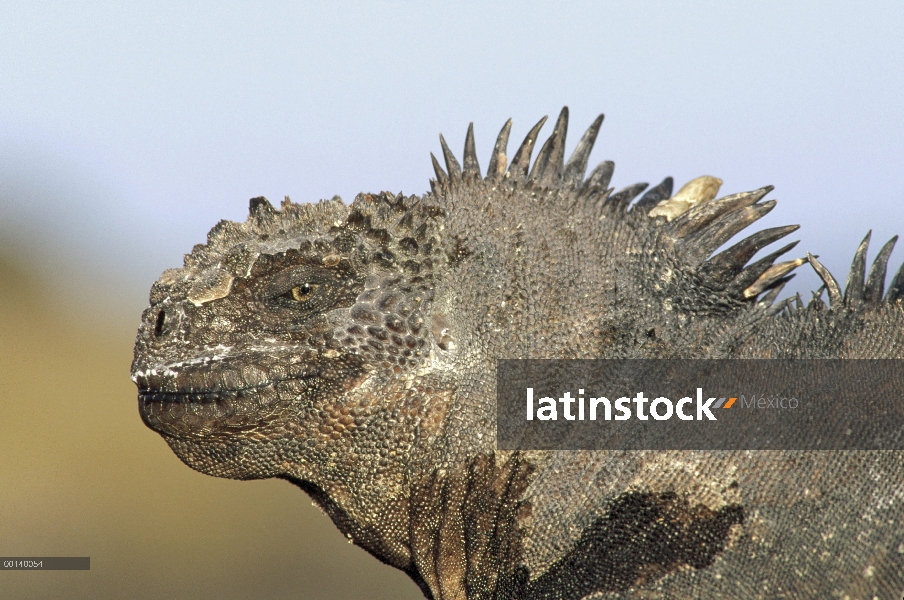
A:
{"x": 352, "y": 351}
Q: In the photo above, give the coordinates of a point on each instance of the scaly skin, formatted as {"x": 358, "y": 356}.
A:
{"x": 352, "y": 351}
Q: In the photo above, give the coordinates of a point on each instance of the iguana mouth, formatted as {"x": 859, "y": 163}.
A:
{"x": 226, "y": 396}
{"x": 184, "y": 413}
{"x": 198, "y": 397}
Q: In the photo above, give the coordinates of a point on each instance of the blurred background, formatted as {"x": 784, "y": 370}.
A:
{"x": 127, "y": 130}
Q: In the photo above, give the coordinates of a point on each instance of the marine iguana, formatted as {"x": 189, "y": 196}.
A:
{"x": 351, "y": 350}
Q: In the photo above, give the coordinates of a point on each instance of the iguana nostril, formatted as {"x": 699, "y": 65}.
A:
{"x": 161, "y": 322}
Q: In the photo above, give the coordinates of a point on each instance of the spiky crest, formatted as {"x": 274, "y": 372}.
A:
{"x": 857, "y": 291}
{"x": 694, "y": 218}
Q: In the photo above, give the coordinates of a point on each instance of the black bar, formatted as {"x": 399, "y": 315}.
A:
{"x": 829, "y": 404}
{"x": 45, "y": 563}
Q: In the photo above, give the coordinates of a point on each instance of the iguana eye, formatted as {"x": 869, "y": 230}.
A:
{"x": 291, "y": 296}
{"x": 304, "y": 292}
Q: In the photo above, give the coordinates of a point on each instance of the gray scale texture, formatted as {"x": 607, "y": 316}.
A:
{"x": 351, "y": 350}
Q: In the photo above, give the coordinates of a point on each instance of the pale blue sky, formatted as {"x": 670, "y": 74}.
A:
{"x": 128, "y": 130}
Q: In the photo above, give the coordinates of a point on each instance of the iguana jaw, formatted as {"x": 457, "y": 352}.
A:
{"x": 198, "y": 414}
{"x": 227, "y": 396}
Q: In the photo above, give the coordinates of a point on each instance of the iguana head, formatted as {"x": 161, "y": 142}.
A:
{"x": 255, "y": 353}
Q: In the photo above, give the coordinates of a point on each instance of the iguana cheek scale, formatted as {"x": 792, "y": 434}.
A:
{"x": 351, "y": 350}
